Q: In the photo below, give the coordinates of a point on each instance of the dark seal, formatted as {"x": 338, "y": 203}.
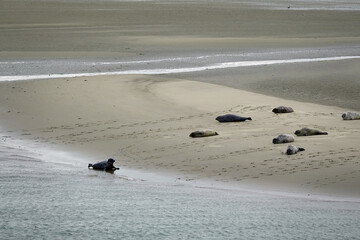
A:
{"x": 232, "y": 118}
{"x": 309, "y": 132}
{"x": 282, "y": 109}
{"x": 104, "y": 165}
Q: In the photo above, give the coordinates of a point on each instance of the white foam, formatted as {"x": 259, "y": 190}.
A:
{"x": 178, "y": 70}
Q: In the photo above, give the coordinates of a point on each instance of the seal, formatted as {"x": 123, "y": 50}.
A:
{"x": 104, "y": 165}
{"x": 350, "y": 116}
{"x": 291, "y": 149}
{"x": 232, "y": 118}
{"x": 282, "y": 109}
{"x": 203, "y": 133}
{"x": 309, "y": 132}
{"x": 283, "y": 138}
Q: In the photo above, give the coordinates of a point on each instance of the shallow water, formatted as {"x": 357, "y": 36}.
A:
{"x": 49, "y": 199}
{"x": 167, "y": 64}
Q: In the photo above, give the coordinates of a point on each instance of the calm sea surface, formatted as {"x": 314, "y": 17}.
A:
{"x": 48, "y": 199}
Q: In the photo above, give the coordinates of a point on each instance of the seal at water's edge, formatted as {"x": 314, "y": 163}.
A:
{"x": 350, "y": 116}
{"x": 283, "y": 138}
{"x": 232, "y": 118}
{"x": 309, "y": 132}
{"x": 104, "y": 165}
{"x": 282, "y": 109}
{"x": 291, "y": 149}
{"x": 203, "y": 133}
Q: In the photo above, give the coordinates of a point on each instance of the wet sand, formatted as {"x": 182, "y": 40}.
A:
{"x": 33, "y": 30}
{"x": 144, "y": 121}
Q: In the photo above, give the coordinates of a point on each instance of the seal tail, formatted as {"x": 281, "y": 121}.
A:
{"x": 90, "y": 165}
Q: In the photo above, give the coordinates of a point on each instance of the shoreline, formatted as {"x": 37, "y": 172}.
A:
{"x": 53, "y": 155}
{"x": 157, "y": 140}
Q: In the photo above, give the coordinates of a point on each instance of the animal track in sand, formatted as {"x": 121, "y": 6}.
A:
{"x": 247, "y": 108}
{"x": 342, "y": 177}
{"x": 294, "y": 166}
{"x": 86, "y": 136}
{"x": 103, "y": 124}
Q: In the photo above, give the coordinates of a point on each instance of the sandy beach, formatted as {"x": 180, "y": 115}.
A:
{"x": 144, "y": 121}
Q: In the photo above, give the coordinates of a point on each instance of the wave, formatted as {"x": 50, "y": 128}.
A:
{"x": 159, "y": 71}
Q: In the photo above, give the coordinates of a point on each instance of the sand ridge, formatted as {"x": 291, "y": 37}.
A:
{"x": 144, "y": 123}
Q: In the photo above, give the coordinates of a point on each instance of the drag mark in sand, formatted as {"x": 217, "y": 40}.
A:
{"x": 213, "y": 66}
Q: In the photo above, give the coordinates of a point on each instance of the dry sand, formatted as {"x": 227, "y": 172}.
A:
{"x": 144, "y": 121}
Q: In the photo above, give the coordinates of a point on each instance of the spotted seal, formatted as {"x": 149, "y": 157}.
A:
{"x": 203, "y": 133}
{"x": 232, "y": 118}
{"x": 282, "y": 109}
{"x": 350, "y": 116}
{"x": 283, "y": 138}
{"x": 291, "y": 149}
{"x": 104, "y": 165}
{"x": 309, "y": 132}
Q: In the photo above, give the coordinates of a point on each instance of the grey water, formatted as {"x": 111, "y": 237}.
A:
{"x": 44, "y": 197}
{"x": 167, "y": 63}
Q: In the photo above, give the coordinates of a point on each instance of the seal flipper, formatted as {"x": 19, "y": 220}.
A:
{"x": 301, "y": 149}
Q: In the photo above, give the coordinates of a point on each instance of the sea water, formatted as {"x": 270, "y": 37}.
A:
{"x": 43, "y": 198}
{"x": 47, "y": 197}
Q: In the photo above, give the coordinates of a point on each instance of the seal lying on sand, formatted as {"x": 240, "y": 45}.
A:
{"x": 232, "y": 118}
{"x": 203, "y": 133}
{"x": 104, "y": 165}
{"x": 283, "y": 138}
{"x": 309, "y": 132}
{"x": 351, "y": 116}
{"x": 291, "y": 149}
{"x": 282, "y": 109}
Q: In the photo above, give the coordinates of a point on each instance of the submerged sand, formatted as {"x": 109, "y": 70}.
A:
{"x": 144, "y": 121}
